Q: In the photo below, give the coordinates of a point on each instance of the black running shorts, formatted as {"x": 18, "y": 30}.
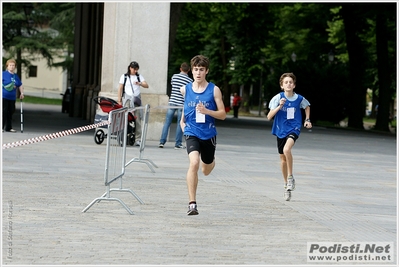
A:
{"x": 281, "y": 142}
{"x": 206, "y": 148}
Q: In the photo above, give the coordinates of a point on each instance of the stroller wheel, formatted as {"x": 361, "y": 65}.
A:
{"x": 99, "y": 136}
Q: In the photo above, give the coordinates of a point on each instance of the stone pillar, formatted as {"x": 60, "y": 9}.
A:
{"x": 87, "y": 56}
{"x": 78, "y": 101}
{"x": 137, "y": 31}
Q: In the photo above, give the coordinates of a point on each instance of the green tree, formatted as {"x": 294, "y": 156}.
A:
{"x": 385, "y": 46}
{"x": 46, "y": 31}
{"x": 204, "y": 29}
{"x": 302, "y": 29}
{"x": 236, "y": 36}
{"x": 370, "y": 34}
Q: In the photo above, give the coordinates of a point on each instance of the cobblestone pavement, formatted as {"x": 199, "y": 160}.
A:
{"x": 346, "y": 192}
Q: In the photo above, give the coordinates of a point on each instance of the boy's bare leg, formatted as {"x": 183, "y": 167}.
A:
{"x": 192, "y": 175}
{"x": 283, "y": 163}
{"x": 288, "y": 155}
{"x": 207, "y": 168}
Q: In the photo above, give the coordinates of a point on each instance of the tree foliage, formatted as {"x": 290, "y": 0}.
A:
{"x": 39, "y": 30}
{"x": 237, "y": 36}
{"x": 250, "y": 46}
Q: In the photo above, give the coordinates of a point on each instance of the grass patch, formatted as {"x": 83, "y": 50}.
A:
{"x": 331, "y": 124}
{"x": 369, "y": 120}
{"x": 394, "y": 123}
{"x": 41, "y": 100}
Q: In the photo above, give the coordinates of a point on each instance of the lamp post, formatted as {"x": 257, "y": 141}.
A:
{"x": 330, "y": 57}
{"x": 262, "y": 60}
{"x": 293, "y": 57}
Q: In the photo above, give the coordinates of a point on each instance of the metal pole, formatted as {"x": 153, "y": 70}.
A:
{"x": 22, "y": 117}
{"x": 260, "y": 92}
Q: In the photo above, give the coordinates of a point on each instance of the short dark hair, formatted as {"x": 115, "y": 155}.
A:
{"x": 200, "y": 61}
{"x": 185, "y": 67}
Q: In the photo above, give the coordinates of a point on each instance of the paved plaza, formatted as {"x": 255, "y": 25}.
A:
{"x": 346, "y": 192}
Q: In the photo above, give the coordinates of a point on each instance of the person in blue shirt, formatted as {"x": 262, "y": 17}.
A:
{"x": 285, "y": 107}
{"x": 203, "y": 104}
{"x": 11, "y": 82}
{"x": 176, "y": 100}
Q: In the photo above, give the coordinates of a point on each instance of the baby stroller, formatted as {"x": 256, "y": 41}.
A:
{"x": 107, "y": 105}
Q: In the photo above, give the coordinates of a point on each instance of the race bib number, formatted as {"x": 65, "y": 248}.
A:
{"x": 290, "y": 113}
{"x": 199, "y": 117}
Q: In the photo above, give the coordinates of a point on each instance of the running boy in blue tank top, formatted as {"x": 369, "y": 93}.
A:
{"x": 203, "y": 104}
{"x": 285, "y": 107}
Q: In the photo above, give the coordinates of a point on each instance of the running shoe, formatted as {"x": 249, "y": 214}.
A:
{"x": 180, "y": 147}
{"x": 287, "y": 195}
{"x": 160, "y": 145}
{"x": 192, "y": 209}
{"x": 290, "y": 183}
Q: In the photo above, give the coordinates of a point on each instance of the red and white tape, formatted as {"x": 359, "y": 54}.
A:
{"x": 71, "y": 131}
{"x": 55, "y": 135}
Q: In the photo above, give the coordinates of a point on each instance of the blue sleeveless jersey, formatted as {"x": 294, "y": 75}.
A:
{"x": 205, "y": 130}
{"x": 282, "y": 125}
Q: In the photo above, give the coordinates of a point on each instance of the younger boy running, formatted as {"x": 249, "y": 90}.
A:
{"x": 286, "y": 108}
{"x": 202, "y": 105}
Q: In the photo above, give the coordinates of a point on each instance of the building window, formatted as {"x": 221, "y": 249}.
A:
{"x": 32, "y": 71}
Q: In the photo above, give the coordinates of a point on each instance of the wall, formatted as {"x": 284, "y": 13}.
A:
{"x": 139, "y": 32}
{"x": 49, "y": 83}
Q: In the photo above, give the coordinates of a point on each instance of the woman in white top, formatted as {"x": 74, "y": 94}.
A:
{"x": 129, "y": 93}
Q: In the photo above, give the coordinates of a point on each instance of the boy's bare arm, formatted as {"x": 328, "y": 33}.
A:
{"x": 182, "y": 120}
{"x": 273, "y": 112}
{"x": 307, "y": 123}
{"x": 220, "y": 112}
{"x": 307, "y": 113}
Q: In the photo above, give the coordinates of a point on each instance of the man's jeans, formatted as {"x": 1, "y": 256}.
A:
{"x": 168, "y": 121}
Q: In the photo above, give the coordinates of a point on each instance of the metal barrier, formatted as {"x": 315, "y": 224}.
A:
{"x": 115, "y": 158}
{"x": 147, "y": 161}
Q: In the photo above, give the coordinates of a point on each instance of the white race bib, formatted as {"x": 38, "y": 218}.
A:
{"x": 199, "y": 117}
{"x": 290, "y": 113}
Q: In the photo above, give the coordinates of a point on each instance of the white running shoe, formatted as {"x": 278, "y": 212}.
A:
{"x": 290, "y": 183}
{"x": 287, "y": 195}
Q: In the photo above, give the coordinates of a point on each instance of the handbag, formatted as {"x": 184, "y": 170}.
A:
{"x": 137, "y": 101}
{"x": 9, "y": 87}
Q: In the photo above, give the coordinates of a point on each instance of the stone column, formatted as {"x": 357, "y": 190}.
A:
{"x": 137, "y": 31}
{"x": 87, "y": 56}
